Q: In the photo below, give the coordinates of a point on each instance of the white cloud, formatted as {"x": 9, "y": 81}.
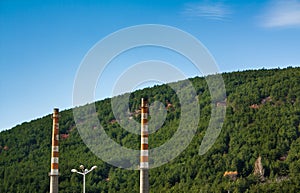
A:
{"x": 215, "y": 11}
{"x": 282, "y": 14}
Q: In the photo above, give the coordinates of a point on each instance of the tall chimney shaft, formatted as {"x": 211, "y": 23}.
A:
{"x": 54, "y": 153}
{"x": 144, "y": 162}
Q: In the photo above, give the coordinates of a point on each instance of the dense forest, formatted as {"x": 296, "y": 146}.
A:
{"x": 258, "y": 149}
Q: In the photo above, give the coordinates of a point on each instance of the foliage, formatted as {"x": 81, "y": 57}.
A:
{"x": 262, "y": 119}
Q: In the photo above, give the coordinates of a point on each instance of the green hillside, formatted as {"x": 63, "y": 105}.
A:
{"x": 262, "y": 121}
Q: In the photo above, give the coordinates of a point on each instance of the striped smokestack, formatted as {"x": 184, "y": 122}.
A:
{"x": 144, "y": 164}
{"x": 54, "y": 153}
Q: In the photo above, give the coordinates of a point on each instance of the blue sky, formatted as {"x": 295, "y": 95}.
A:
{"x": 42, "y": 43}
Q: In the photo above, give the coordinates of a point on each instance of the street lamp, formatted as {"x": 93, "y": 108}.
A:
{"x": 84, "y": 172}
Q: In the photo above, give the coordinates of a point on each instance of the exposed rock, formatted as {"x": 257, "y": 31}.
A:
{"x": 254, "y": 106}
{"x": 64, "y": 136}
{"x": 282, "y": 158}
{"x": 268, "y": 99}
{"x": 258, "y": 168}
{"x": 231, "y": 174}
{"x": 221, "y": 104}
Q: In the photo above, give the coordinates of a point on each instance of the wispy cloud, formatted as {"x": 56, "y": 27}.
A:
{"x": 282, "y": 13}
{"x": 214, "y": 11}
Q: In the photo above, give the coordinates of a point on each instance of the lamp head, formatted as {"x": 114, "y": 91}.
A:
{"x": 74, "y": 170}
{"x": 94, "y": 167}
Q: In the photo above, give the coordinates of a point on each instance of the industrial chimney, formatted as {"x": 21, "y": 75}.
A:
{"x": 144, "y": 162}
{"x": 54, "y": 153}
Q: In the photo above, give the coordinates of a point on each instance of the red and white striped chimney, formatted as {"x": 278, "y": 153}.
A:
{"x": 144, "y": 161}
{"x": 54, "y": 153}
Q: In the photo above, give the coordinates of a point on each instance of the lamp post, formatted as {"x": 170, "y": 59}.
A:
{"x": 84, "y": 172}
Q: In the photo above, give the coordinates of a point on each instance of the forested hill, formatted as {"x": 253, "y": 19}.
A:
{"x": 258, "y": 149}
